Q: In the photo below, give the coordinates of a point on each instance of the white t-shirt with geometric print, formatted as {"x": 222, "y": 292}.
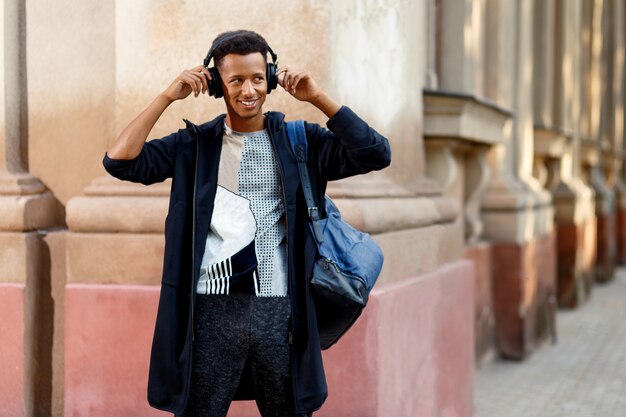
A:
{"x": 249, "y": 206}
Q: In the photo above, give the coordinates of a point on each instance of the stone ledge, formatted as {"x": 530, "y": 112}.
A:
{"x": 109, "y": 214}
{"x": 463, "y": 116}
{"x": 20, "y": 184}
{"x": 132, "y": 214}
{"x": 551, "y": 141}
{"x": 29, "y": 211}
{"x": 131, "y": 258}
{"x": 109, "y": 186}
{"x": 394, "y": 214}
{"x": 375, "y": 185}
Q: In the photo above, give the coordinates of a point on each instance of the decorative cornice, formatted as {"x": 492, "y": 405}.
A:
{"x": 463, "y": 117}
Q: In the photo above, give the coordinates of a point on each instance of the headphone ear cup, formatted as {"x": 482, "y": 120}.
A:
{"x": 215, "y": 83}
{"x": 270, "y": 75}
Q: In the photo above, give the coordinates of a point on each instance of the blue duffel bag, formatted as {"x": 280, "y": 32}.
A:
{"x": 348, "y": 263}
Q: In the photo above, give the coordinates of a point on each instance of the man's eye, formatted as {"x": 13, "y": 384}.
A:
{"x": 259, "y": 79}
{"x": 236, "y": 80}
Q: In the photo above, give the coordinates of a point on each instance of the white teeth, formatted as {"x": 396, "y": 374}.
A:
{"x": 248, "y": 103}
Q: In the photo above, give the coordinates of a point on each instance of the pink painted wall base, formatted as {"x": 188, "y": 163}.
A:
{"x": 108, "y": 332}
{"x": 607, "y": 251}
{"x": 480, "y": 255}
{"x": 410, "y": 354}
{"x": 12, "y": 350}
{"x": 524, "y": 292}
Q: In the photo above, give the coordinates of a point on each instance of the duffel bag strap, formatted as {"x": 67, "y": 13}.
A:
{"x": 300, "y": 148}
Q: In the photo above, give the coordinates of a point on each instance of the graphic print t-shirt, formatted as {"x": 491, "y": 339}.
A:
{"x": 248, "y": 206}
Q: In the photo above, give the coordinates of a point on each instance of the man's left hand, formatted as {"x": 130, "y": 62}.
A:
{"x": 302, "y": 86}
{"x": 298, "y": 83}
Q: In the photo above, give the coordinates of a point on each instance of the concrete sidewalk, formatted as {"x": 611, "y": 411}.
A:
{"x": 583, "y": 375}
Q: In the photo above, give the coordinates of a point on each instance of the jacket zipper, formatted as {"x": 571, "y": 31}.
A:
{"x": 193, "y": 237}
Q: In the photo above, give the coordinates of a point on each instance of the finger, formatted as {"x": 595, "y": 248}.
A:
{"x": 197, "y": 68}
{"x": 193, "y": 82}
{"x": 204, "y": 78}
{"x": 198, "y": 81}
{"x": 202, "y": 69}
{"x": 296, "y": 81}
{"x": 202, "y": 86}
{"x": 285, "y": 79}
{"x": 281, "y": 79}
{"x": 281, "y": 74}
{"x": 290, "y": 78}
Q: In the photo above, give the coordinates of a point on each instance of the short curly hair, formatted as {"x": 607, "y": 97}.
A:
{"x": 240, "y": 42}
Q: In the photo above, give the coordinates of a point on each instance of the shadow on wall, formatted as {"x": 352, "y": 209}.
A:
{"x": 39, "y": 328}
{"x": 43, "y": 326}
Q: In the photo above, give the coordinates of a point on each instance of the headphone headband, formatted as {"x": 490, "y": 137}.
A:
{"x": 209, "y": 55}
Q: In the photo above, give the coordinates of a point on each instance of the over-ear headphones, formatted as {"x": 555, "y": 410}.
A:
{"x": 215, "y": 83}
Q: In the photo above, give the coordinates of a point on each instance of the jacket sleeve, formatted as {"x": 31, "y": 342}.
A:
{"x": 155, "y": 162}
{"x": 349, "y": 147}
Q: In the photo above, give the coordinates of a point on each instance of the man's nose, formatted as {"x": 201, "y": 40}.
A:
{"x": 248, "y": 89}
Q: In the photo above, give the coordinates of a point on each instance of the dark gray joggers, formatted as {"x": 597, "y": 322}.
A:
{"x": 240, "y": 331}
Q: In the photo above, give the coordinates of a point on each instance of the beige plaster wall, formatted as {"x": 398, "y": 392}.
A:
{"x": 93, "y": 66}
{"x": 378, "y": 61}
{"x": 70, "y": 66}
{"x": 363, "y": 54}
{"x": 156, "y": 40}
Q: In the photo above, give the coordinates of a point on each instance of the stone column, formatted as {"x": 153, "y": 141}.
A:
{"x": 546, "y": 168}
{"x": 27, "y": 207}
{"x": 556, "y": 138}
{"x": 586, "y": 151}
{"x": 433, "y": 21}
{"x": 114, "y": 247}
{"x": 618, "y": 95}
{"x": 463, "y": 39}
{"x": 460, "y": 130}
{"x": 26, "y": 204}
{"x": 601, "y": 85}
{"x": 517, "y": 211}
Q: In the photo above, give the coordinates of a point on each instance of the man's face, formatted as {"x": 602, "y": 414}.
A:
{"x": 245, "y": 86}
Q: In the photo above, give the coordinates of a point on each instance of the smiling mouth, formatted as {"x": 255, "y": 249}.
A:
{"x": 249, "y": 104}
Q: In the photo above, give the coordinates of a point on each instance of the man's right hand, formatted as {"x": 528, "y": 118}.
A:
{"x": 189, "y": 81}
{"x": 129, "y": 143}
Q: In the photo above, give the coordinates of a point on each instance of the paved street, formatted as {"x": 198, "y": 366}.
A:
{"x": 584, "y": 375}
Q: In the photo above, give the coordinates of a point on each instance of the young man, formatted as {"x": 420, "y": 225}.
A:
{"x": 236, "y": 319}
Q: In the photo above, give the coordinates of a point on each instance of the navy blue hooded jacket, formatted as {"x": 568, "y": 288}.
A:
{"x": 191, "y": 158}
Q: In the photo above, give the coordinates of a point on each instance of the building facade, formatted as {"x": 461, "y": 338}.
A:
{"x": 505, "y": 200}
